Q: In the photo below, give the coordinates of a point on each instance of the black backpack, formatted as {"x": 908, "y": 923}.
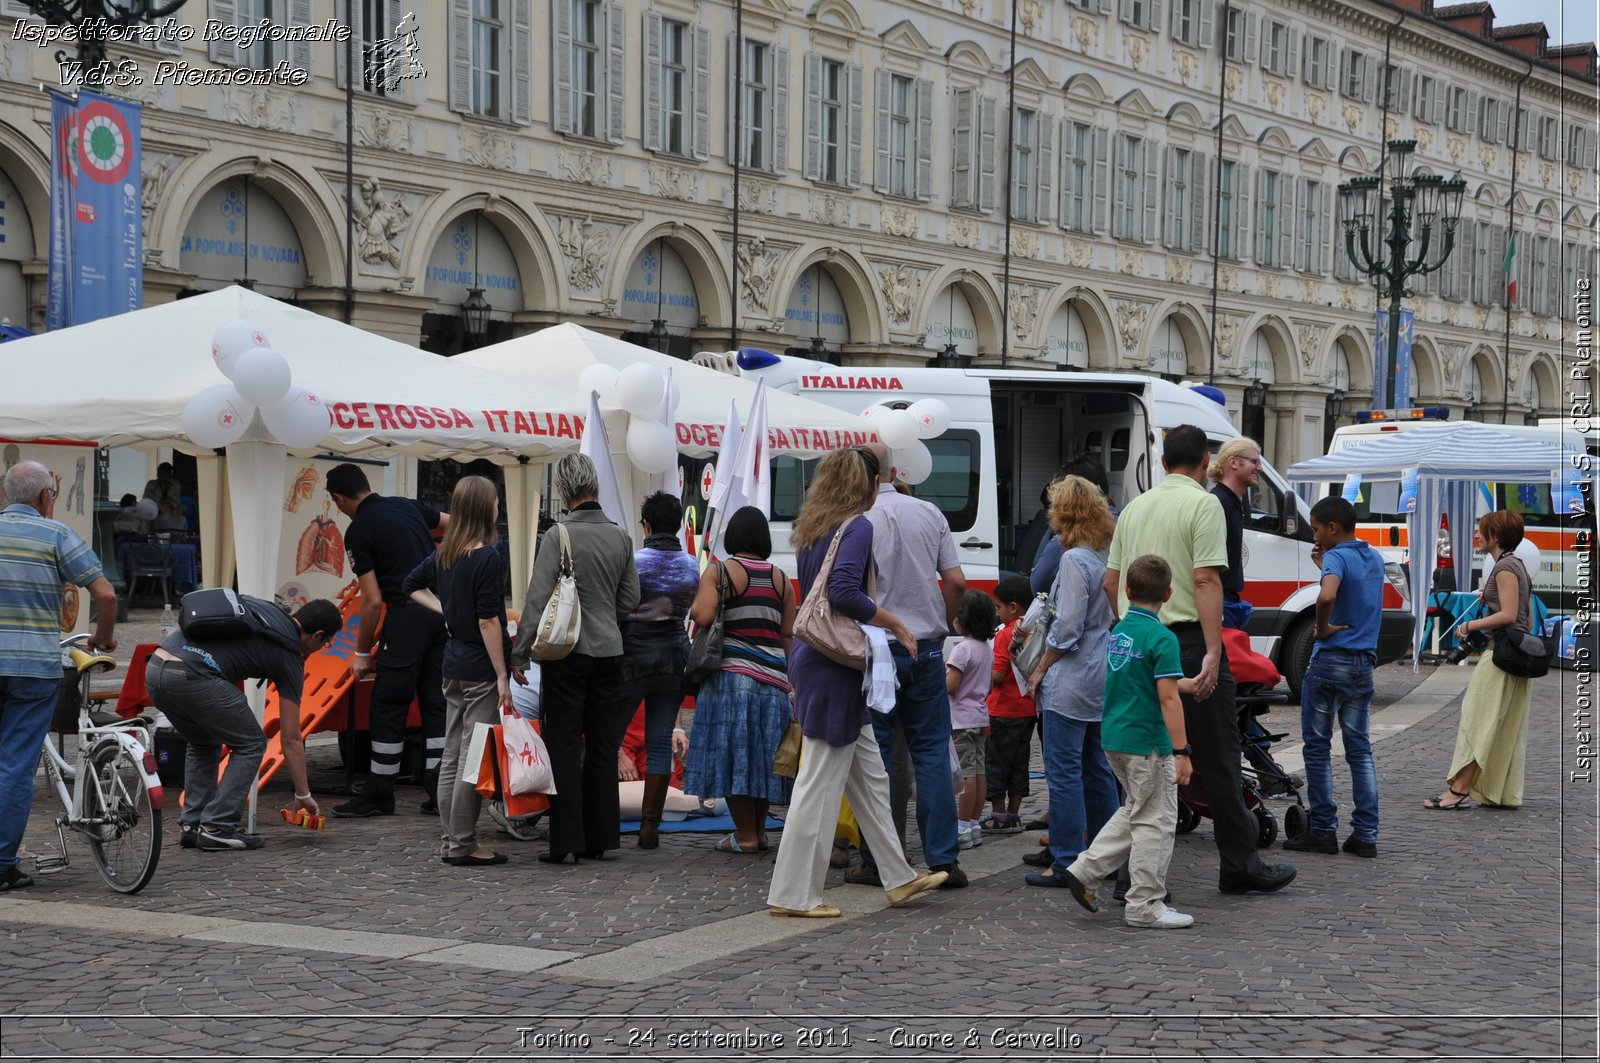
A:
{"x": 218, "y": 614}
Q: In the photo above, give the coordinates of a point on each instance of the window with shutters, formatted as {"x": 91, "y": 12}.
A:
{"x": 1275, "y": 47}
{"x": 1140, "y": 13}
{"x": 1480, "y": 290}
{"x": 1240, "y": 35}
{"x": 1396, "y": 82}
{"x": 756, "y": 113}
{"x": 1461, "y": 115}
{"x": 1312, "y": 227}
{"x": 1489, "y": 116}
{"x": 1227, "y": 209}
{"x": 380, "y": 48}
{"x": 1078, "y": 193}
{"x": 1025, "y": 166}
{"x": 1186, "y": 20}
{"x": 1577, "y": 141}
{"x": 1267, "y": 238}
{"x": 830, "y": 104}
{"x": 974, "y": 123}
{"x": 1522, "y": 133}
{"x": 1130, "y": 190}
{"x": 1179, "y": 204}
{"x": 1549, "y": 137}
{"x": 587, "y": 68}
{"x": 261, "y": 54}
{"x": 1353, "y": 83}
{"x": 487, "y": 42}
{"x": 1424, "y": 91}
{"x": 674, "y": 87}
{"x": 901, "y": 135}
{"x": 1539, "y": 299}
{"x": 1318, "y": 54}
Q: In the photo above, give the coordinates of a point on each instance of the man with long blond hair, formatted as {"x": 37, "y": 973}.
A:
{"x": 1235, "y": 469}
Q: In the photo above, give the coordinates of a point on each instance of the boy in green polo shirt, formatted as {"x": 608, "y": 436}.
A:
{"x": 1143, "y": 722}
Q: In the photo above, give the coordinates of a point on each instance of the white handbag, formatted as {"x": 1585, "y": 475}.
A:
{"x": 562, "y": 619}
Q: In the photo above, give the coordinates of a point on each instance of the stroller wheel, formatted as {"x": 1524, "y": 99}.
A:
{"x": 1269, "y": 827}
{"x": 1188, "y": 818}
{"x": 1295, "y": 821}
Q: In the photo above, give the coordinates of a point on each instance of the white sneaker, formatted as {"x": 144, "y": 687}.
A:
{"x": 964, "y": 839}
{"x": 977, "y": 835}
{"x": 1169, "y": 919}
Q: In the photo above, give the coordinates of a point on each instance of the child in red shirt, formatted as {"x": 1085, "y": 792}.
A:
{"x": 1011, "y": 716}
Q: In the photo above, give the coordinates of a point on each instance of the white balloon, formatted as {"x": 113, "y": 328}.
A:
{"x": 216, "y": 417}
{"x": 299, "y": 419}
{"x": 232, "y": 340}
{"x": 147, "y": 509}
{"x": 932, "y": 416}
{"x": 650, "y": 445}
{"x": 913, "y": 464}
{"x": 873, "y": 412}
{"x": 639, "y": 389}
{"x": 897, "y": 428}
{"x": 261, "y": 376}
{"x": 598, "y": 378}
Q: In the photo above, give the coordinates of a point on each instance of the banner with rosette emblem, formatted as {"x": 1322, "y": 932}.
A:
{"x": 96, "y": 243}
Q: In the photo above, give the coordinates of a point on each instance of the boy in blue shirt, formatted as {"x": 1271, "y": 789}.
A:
{"x": 1338, "y": 681}
{"x": 1142, "y": 723}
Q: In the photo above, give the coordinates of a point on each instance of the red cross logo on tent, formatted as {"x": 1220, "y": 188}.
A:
{"x": 708, "y": 477}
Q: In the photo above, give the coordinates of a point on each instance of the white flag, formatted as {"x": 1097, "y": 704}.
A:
{"x": 727, "y": 459}
{"x": 753, "y": 477}
{"x": 597, "y": 447}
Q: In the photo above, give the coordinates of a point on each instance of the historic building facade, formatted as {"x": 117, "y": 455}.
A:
{"x": 579, "y": 160}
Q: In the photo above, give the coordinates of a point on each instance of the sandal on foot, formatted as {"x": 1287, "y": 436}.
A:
{"x": 730, "y": 844}
{"x": 1433, "y": 804}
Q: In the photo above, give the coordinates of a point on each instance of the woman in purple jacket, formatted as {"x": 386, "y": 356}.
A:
{"x": 840, "y": 754}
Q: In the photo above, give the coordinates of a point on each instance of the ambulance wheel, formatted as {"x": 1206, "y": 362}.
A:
{"x": 1188, "y": 818}
{"x": 1295, "y": 821}
{"x": 1268, "y": 824}
{"x": 1296, "y": 656}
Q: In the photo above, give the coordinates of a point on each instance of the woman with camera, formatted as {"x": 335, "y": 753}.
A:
{"x": 1493, "y": 737}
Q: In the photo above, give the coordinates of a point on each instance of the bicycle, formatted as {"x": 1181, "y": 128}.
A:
{"x": 115, "y": 800}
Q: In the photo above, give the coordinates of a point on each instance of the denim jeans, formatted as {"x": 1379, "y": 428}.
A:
{"x": 661, "y": 695}
{"x": 210, "y": 713}
{"x": 922, "y": 709}
{"x": 1338, "y": 684}
{"x": 26, "y": 705}
{"x": 1082, "y": 788}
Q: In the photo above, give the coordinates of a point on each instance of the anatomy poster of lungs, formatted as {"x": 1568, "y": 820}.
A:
{"x": 311, "y": 555}
{"x": 72, "y": 468}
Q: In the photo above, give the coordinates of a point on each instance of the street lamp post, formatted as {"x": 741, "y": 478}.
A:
{"x": 92, "y": 21}
{"x": 1430, "y": 201}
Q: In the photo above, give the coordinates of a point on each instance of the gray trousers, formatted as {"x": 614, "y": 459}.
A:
{"x": 210, "y": 713}
{"x": 465, "y": 704}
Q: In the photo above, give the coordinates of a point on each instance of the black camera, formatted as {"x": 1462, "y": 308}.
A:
{"x": 1471, "y": 642}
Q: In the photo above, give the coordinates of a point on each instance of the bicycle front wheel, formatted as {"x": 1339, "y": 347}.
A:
{"x": 123, "y": 830}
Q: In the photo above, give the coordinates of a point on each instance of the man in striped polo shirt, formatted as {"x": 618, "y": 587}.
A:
{"x": 37, "y": 556}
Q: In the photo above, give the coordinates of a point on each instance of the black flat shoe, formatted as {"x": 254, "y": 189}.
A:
{"x": 1042, "y": 858}
{"x": 476, "y": 861}
{"x": 557, "y": 858}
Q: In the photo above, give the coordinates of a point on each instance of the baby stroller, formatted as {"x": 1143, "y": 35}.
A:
{"x": 1262, "y": 776}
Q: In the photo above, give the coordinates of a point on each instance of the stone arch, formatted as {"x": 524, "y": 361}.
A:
{"x": 1546, "y": 209}
{"x": 1544, "y": 371}
{"x": 1273, "y": 138}
{"x": 1490, "y": 374}
{"x": 1357, "y": 348}
{"x": 529, "y": 237}
{"x": 311, "y": 208}
{"x": 1086, "y": 86}
{"x": 1486, "y": 193}
{"x": 854, "y": 279}
{"x": 1277, "y": 349}
{"x": 1097, "y": 325}
{"x": 1427, "y": 379}
{"x": 29, "y": 170}
{"x": 702, "y": 255}
{"x": 1185, "y": 113}
{"x": 981, "y": 294}
{"x": 969, "y": 53}
{"x": 1354, "y": 160}
{"x": 1191, "y": 326}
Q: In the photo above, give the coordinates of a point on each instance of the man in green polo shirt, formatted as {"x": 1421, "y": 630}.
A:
{"x": 1181, "y": 521}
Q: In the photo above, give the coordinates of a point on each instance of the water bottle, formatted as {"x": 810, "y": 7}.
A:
{"x": 166, "y": 621}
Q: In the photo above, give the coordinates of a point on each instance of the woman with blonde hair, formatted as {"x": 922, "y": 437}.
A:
{"x": 579, "y": 692}
{"x": 839, "y": 756}
{"x": 1493, "y": 737}
{"x": 1069, "y": 681}
{"x": 462, "y": 581}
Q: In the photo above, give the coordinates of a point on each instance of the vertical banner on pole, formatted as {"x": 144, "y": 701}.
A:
{"x": 1380, "y": 361}
{"x": 1402, "y": 360}
{"x": 96, "y": 246}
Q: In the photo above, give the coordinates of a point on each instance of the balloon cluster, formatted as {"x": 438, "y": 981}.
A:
{"x": 903, "y": 432}
{"x": 639, "y": 389}
{"x": 260, "y": 379}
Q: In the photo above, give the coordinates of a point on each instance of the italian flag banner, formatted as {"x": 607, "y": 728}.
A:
{"x": 1510, "y": 267}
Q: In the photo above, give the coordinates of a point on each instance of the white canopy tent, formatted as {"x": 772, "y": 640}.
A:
{"x": 1449, "y": 461}
{"x": 126, "y": 380}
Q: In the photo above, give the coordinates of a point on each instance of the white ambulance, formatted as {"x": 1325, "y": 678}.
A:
{"x": 1010, "y": 431}
{"x": 1561, "y": 536}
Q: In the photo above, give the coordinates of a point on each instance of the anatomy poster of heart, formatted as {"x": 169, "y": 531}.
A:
{"x": 311, "y": 554}
{"x": 73, "y": 470}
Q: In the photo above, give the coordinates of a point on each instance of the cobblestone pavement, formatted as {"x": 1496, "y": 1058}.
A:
{"x": 1472, "y": 936}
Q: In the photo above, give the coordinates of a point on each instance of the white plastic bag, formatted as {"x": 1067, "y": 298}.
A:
{"x": 482, "y": 734}
{"x": 527, "y": 760}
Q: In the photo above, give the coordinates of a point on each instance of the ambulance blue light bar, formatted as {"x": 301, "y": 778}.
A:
{"x": 1411, "y": 413}
{"x": 756, "y": 358}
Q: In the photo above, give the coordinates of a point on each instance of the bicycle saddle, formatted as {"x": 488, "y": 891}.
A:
{"x": 91, "y": 662}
